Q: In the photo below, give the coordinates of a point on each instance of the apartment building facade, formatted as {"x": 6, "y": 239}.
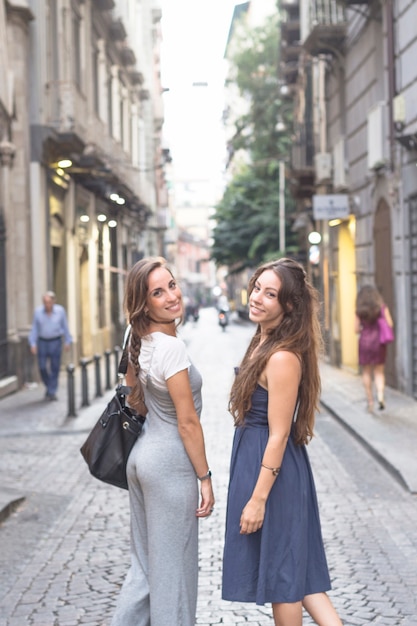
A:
{"x": 83, "y": 193}
{"x": 350, "y": 72}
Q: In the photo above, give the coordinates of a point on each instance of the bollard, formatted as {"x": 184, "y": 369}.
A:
{"x": 97, "y": 359}
{"x": 117, "y": 350}
{"x": 107, "y": 357}
{"x": 71, "y": 390}
{"x": 84, "y": 382}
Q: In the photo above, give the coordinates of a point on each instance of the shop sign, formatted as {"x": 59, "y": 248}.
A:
{"x": 330, "y": 207}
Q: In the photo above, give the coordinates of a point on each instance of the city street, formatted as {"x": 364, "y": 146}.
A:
{"x": 64, "y": 551}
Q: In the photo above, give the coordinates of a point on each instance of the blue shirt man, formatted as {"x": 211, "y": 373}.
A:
{"x": 45, "y": 339}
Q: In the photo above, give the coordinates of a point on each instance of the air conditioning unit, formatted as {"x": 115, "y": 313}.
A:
{"x": 377, "y": 136}
{"x": 339, "y": 165}
{"x": 399, "y": 112}
{"x": 323, "y": 167}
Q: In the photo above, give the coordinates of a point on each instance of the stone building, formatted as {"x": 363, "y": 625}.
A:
{"x": 349, "y": 68}
{"x": 82, "y": 194}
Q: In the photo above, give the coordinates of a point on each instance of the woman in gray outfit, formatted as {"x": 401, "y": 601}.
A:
{"x": 167, "y": 459}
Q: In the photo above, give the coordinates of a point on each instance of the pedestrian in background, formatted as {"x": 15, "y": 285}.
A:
{"x": 372, "y": 353}
{"x": 166, "y": 460}
{"x": 49, "y": 328}
{"x": 273, "y": 549}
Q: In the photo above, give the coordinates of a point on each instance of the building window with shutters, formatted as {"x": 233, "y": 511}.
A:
{"x": 77, "y": 45}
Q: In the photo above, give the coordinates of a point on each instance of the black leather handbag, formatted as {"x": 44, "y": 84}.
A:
{"x": 108, "y": 445}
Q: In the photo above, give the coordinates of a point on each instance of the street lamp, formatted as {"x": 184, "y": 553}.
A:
{"x": 314, "y": 238}
{"x": 282, "y": 206}
{"x": 280, "y": 126}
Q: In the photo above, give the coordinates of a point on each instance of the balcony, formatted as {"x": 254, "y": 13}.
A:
{"x": 290, "y": 6}
{"x": 158, "y": 112}
{"x": 302, "y": 182}
{"x": 66, "y": 113}
{"x": 323, "y": 26}
{"x": 349, "y": 3}
{"x": 104, "y": 5}
{"x": 156, "y": 15}
{"x": 109, "y": 179}
{"x": 289, "y": 72}
{"x": 136, "y": 77}
{"x": 408, "y": 141}
{"x": 127, "y": 56}
{"x": 290, "y": 53}
{"x": 302, "y": 162}
{"x": 290, "y": 30}
{"x": 117, "y": 31}
{"x": 290, "y": 41}
{"x": 144, "y": 94}
{"x": 290, "y": 24}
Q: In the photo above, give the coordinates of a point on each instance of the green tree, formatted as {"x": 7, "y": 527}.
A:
{"x": 247, "y": 223}
{"x": 247, "y": 230}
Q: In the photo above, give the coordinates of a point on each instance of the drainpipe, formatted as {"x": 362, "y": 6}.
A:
{"x": 391, "y": 76}
{"x": 7, "y": 152}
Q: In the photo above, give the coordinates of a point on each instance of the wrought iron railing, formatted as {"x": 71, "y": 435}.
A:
{"x": 302, "y": 153}
{"x": 320, "y": 13}
{"x": 326, "y": 12}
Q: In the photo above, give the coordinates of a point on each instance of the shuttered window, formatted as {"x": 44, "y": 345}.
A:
{"x": 413, "y": 288}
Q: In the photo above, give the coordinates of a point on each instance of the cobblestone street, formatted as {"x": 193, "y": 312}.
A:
{"x": 65, "y": 550}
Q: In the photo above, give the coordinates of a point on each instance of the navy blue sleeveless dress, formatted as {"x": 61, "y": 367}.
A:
{"x": 284, "y": 560}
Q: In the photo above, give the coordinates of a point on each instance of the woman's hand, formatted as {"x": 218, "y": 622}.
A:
{"x": 207, "y": 499}
{"x": 252, "y": 516}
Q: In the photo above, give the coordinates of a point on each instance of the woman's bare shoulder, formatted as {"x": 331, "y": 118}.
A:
{"x": 283, "y": 364}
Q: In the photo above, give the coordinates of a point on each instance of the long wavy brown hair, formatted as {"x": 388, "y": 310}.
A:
{"x": 136, "y": 293}
{"x": 368, "y": 304}
{"x": 298, "y": 332}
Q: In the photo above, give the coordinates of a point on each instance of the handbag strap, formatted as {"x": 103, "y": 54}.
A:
{"x": 124, "y": 359}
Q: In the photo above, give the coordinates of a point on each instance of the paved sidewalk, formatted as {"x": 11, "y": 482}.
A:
{"x": 27, "y": 412}
{"x": 390, "y": 435}
{"x": 65, "y": 550}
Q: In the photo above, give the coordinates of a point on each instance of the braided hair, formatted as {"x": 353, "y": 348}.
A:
{"x": 136, "y": 293}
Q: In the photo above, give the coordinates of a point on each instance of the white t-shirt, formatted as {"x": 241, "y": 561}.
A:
{"x": 161, "y": 356}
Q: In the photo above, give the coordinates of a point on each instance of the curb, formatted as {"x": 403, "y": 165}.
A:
{"x": 11, "y": 499}
{"x": 395, "y": 473}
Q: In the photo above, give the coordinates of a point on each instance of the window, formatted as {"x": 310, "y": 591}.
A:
{"x": 96, "y": 73}
{"x": 76, "y": 44}
{"x": 114, "y": 279}
{"x": 122, "y": 114}
{"x": 53, "y": 50}
{"x": 100, "y": 279}
{"x": 110, "y": 104}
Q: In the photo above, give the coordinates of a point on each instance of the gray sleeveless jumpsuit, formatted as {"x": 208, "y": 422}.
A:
{"x": 160, "y": 588}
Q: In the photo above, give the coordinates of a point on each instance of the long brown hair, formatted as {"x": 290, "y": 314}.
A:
{"x": 368, "y": 304}
{"x": 136, "y": 293}
{"x": 298, "y": 332}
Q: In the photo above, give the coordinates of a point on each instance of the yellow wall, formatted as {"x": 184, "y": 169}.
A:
{"x": 347, "y": 295}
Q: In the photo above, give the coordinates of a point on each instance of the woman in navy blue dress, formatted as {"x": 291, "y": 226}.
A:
{"x": 273, "y": 549}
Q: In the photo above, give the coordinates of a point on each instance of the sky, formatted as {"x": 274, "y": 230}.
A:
{"x": 194, "y": 36}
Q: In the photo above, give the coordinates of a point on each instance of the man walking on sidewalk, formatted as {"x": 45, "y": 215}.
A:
{"x": 45, "y": 339}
